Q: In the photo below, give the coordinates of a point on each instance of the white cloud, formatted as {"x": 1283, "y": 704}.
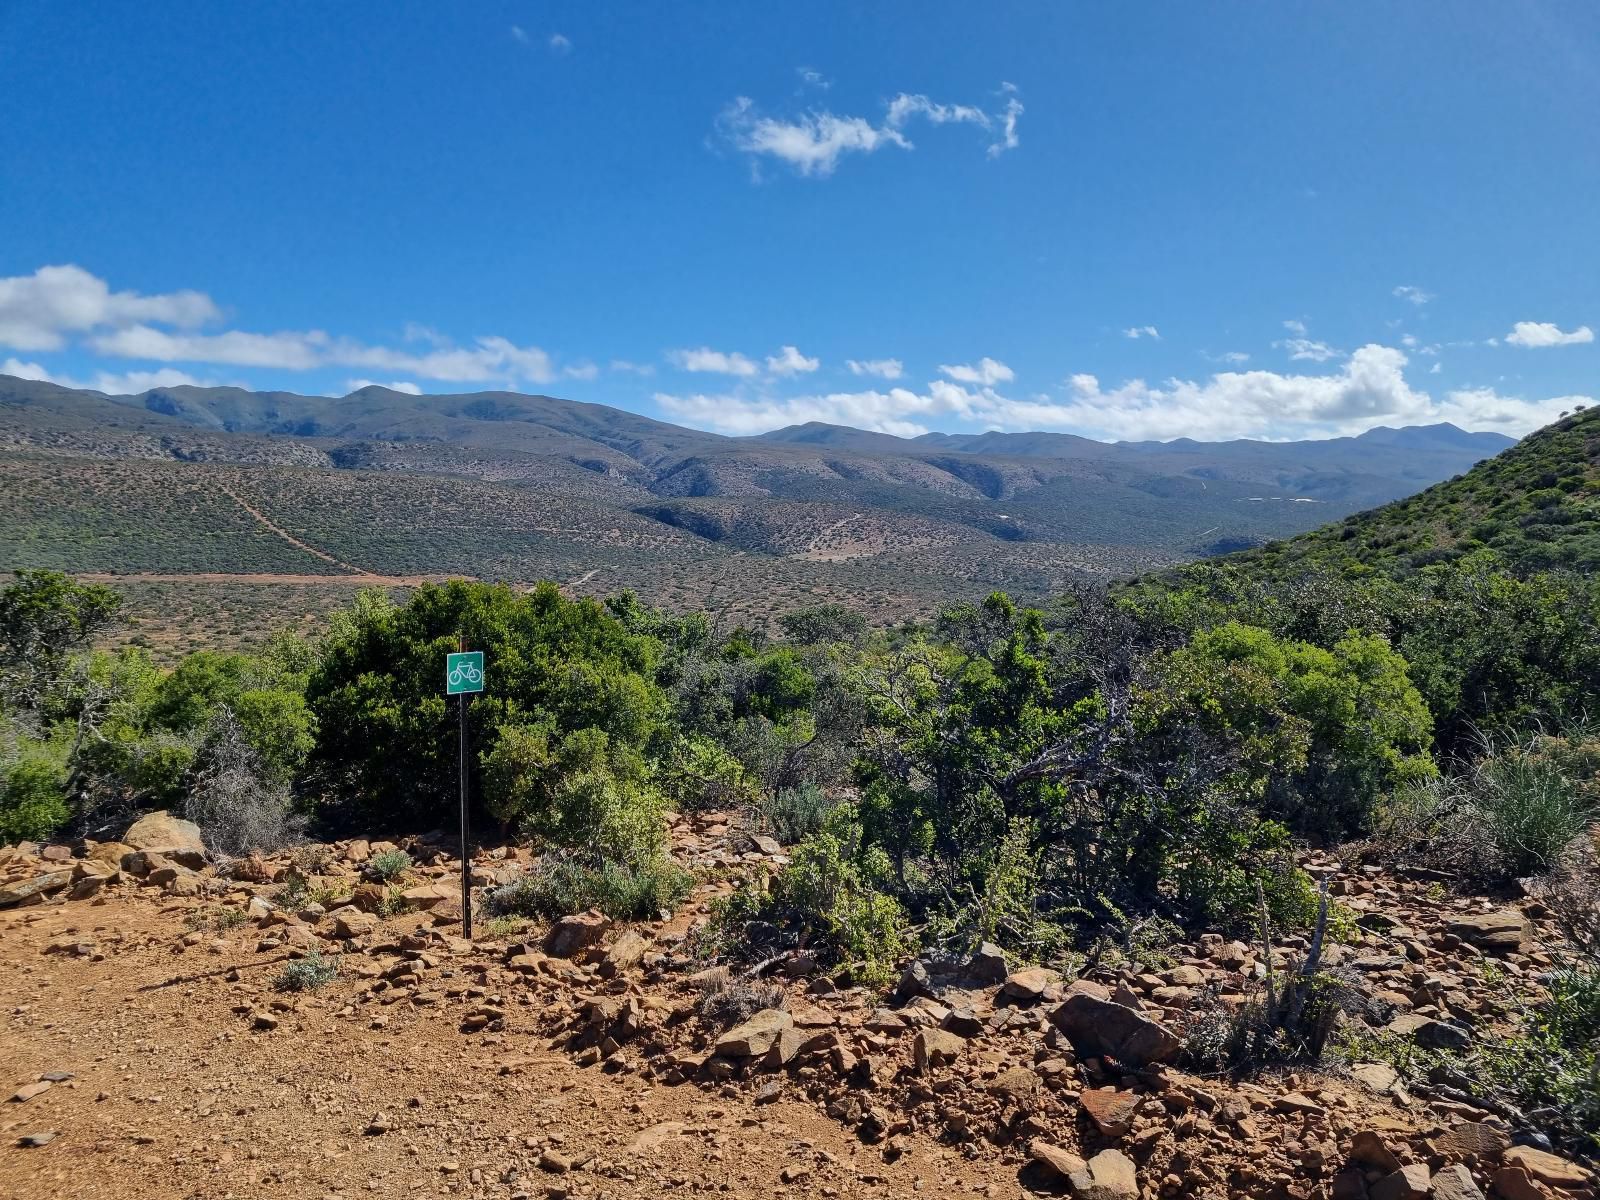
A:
{"x": 37, "y": 311}
{"x": 583, "y": 370}
{"x": 489, "y": 358}
{"x": 813, "y": 78}
{"x": 25, "y": 370}
{"x": 1233, "y": 357}
{"x": 398, "y": 385}
{"x": 789, "y": 361}
{"x": 988, "y": 372}
{"x": 1139, "y": 331}
{"x": 560, "y": 43}
{"x": 623, "y": 366}
{"x": 812, "y": 143}
{"x": 521, "y": 34}
{"x": 882, "y": 368}
{"x": 1369, "y": 389}
{"x": 1302, "y": 348}
{"x": 716, "y": 362}
{"x": 1008, "y": 123}
{"x": 111, "y": 383}
{"x": 1413, "y": 294}
{"x": 1538, "y": 334}
{"x": 894, "y": 411}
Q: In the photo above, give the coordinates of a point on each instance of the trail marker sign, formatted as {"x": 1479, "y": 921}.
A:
{"x": 463, "y": 673}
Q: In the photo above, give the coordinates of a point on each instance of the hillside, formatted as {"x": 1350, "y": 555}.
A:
{"x": 1537, "y": 506}
{"x": 206, "y": 502}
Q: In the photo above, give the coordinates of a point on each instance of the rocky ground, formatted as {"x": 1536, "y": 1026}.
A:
{"x": 147, "y": 1050}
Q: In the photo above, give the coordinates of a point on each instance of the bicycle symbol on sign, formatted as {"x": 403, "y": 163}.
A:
{"x": 463, "y": 672}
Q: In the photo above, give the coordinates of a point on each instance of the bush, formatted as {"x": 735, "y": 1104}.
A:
{"x": 33, "y": 802}
{"x": 833, "y": 891}
{"x": 725, "y": 1001}
{"x": 308, "y": 974}
{"x": 1525, "y": 811}
{"x": 562, "y": 884}
{"x": 1512, "y": 814}
{"x": 239, "y": 807}
{"x": 793, "y": 814}
{"x": 388, "y": 865}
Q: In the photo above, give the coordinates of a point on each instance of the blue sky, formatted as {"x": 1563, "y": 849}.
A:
{"x": 1131, "y": 220}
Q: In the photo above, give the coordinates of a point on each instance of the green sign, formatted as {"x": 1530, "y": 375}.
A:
{"x": 463, "y": 673}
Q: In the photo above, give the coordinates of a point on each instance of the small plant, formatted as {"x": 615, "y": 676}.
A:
{"x": 504, "y": 927}
{"x": 793, "y": 814}
{"x": 313, "y": 858}
{"x": 293, "y": 894}
{"x": 389, "y": 865}
{"x": 726, "y": 1001}
{"x": 561, "y": 884}
{"x": 328, "y": 893}
{"x": 308, "y": 974}
{"x": 393, "y": 903}
{"x": 217, "y": 920}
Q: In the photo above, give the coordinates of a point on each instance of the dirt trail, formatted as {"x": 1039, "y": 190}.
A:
{"x": 174, "y": 1094}
{"x": 266, "y": 523}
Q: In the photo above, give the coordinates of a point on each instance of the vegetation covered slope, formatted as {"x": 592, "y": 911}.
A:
{"x": 1537, "y": 506}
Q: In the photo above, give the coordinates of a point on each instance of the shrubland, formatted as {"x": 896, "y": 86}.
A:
{"x": 1052, "y": 779}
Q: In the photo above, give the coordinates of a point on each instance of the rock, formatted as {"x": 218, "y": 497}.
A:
{"x": 1188, "y": 977}
{"x": 37, "y": 1141}
{"x": 1475, "y": 1140}
{"x": 1018, "y": 1085}
{"x": 555, "y": 1162}
{"x": 29, "y": 1090}
{"x": 1380, "y": 1077}
{"x": 1367, "y": 1149}
{"x": 1062, "y": 1163}
{"x": 577, "y": 932}
{"x": 1097, "y": 1027}
{"x": 35, "y": 889}
{"x": 1109, "y": 1175}
{"x": 87, "y": 887}
{"x": 914, "y": 981}
{"x": 1501, "y": 931}
{"x": 380, "y": 1123}
{"x": 1430, "y": 1034}
{"x": 358, "y": 851}
{"x": 186, "y": 883}
{"x": 987, "y": 964}
{"x": 963, "y": 1022}
{"x": 351, "y": 922}
{"x": 1546, "y": 1167}
{"x": 1027, "y": 985}
{"x": 1408, "y": 1183}
{"x": 1349, "y": 1184}
{"x": 170, "y": 836}
{"x": 1513, "y": 1183}
{"x": 368, "y": 897}
{"x": 1112, "y": 1111}
{"x": 1455, "y": 1182}
{"x": 935, "y": 1048}
{"x": 756, "y": 1036}
{"x": 625, "y": 952}
{"x": 429, "y": 896}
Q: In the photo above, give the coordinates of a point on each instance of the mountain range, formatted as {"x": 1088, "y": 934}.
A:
{"x": 381, "y": 484}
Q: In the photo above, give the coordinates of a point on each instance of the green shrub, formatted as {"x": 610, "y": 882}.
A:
{"x": 1526, "y": 811}
{"x": 793, "y": 814}
{"x": 308, "y": 974}
{"x": 389, "y": 865}
{"x": 33, "y": 802}
{"x": 833, "y": 890}
{"x": 561, "y": 884}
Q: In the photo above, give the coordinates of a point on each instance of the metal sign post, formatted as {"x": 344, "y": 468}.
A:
{"x": 463, "y": 676}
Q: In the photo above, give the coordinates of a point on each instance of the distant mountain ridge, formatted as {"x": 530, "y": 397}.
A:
{"x": 972, "y": 506}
